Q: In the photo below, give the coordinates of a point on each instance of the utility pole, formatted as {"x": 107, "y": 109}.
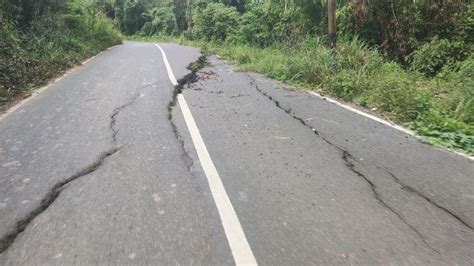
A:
{"x": 332, "y": 23}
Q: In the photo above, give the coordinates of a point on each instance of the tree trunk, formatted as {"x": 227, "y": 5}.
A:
{"x": 332, "y": 23}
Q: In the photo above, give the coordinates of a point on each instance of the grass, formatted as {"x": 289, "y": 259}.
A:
{"x": 440, "y": 109}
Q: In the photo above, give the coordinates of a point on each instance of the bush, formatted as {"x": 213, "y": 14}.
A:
{"x": 403, "y": 96}
{"x": 465, "y": 107}
{"x": 431, "y": 57}
{"x": 398, "y": 28}
{"x": 264, "y": 25}
{"x": 445, "y": 131}
{"x": 160, "y": 21}
{"x": 214, "y": 22}
{"x": 131, "y": 19}
{"x": 456, "y": 92}
{"x": 254, "y": 28}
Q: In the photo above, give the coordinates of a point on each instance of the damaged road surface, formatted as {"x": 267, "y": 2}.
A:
{"x": 139, "y": 205}
{"x": 114, "y": 164}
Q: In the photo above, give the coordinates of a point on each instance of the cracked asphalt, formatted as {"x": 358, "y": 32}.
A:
{"x": 101, "y": 169}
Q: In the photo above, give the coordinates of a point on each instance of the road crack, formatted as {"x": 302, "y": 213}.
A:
{"x": 429, "y": 200}
{"x": 188, "y": 79}
{"x": 20, "y": 226}
{"x": 346, "y": 157}
{"x": 115, "y": 113}
{"x": 7, "y": 240}
{"x": 117, "y": 110}
{"x": 277, "y": 103}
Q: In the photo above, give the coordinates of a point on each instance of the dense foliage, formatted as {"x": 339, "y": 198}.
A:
{"x": 215, "y": 22}
{"x": 39, "y": 39}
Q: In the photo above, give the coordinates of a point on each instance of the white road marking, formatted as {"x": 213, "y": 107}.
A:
{"x": 168, "y": 67}
{"x": 233, "y": 230}
{"x": 238, "y": 243}
{"x": 397, "y": 127}
{"x": 404, "y": 130}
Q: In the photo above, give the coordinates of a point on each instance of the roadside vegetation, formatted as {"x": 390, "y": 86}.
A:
{"x": 41, "y": 39}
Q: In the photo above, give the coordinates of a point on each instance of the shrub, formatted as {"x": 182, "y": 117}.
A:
{"x": 160, "y": 21}
{"x": 431, "y": 57}
{"x": 254, "y": 28}
{"x": 446, "y": 131}
{"x": 131, "y": 19}
{"x": 264, "y": 25}
{"x": 214, "y": 22}
{"x": 398, "y": 28}
{"x": 404, "y": 96}
{"x": 465, "y": 108}
{"x": 456, "y": 91}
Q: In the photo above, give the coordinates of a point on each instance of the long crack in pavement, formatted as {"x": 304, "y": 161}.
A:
{"x": 115, "y": 113}
{"x": 348, "y": 161}
{"x": 429, "y": 200}
{"x": 186, "y": 80}
{"x": 346, "y": 156}
{"x": 8, "y": 239}
{"x": 117, "y": 110}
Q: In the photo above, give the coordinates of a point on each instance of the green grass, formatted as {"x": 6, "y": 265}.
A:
{"x": 438, "y": 109}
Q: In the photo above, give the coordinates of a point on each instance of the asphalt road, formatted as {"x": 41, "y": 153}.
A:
{"x": 109, "y": 166}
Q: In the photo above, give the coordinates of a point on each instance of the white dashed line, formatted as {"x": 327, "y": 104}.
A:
{"x": 238, "y": 243}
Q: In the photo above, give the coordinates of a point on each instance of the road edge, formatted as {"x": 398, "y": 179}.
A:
{"x": 387, "y": 123}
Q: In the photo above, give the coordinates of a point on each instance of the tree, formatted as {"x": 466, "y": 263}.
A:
{"x": 214, "y": 22}
{"x": 332, "y": 23}
{"x": 160, "y": 20}
{"x": 23, "y": 12}
{"x": 132, "y": 20}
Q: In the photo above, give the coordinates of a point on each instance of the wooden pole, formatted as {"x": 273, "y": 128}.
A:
{"x": 332, "y": 23}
